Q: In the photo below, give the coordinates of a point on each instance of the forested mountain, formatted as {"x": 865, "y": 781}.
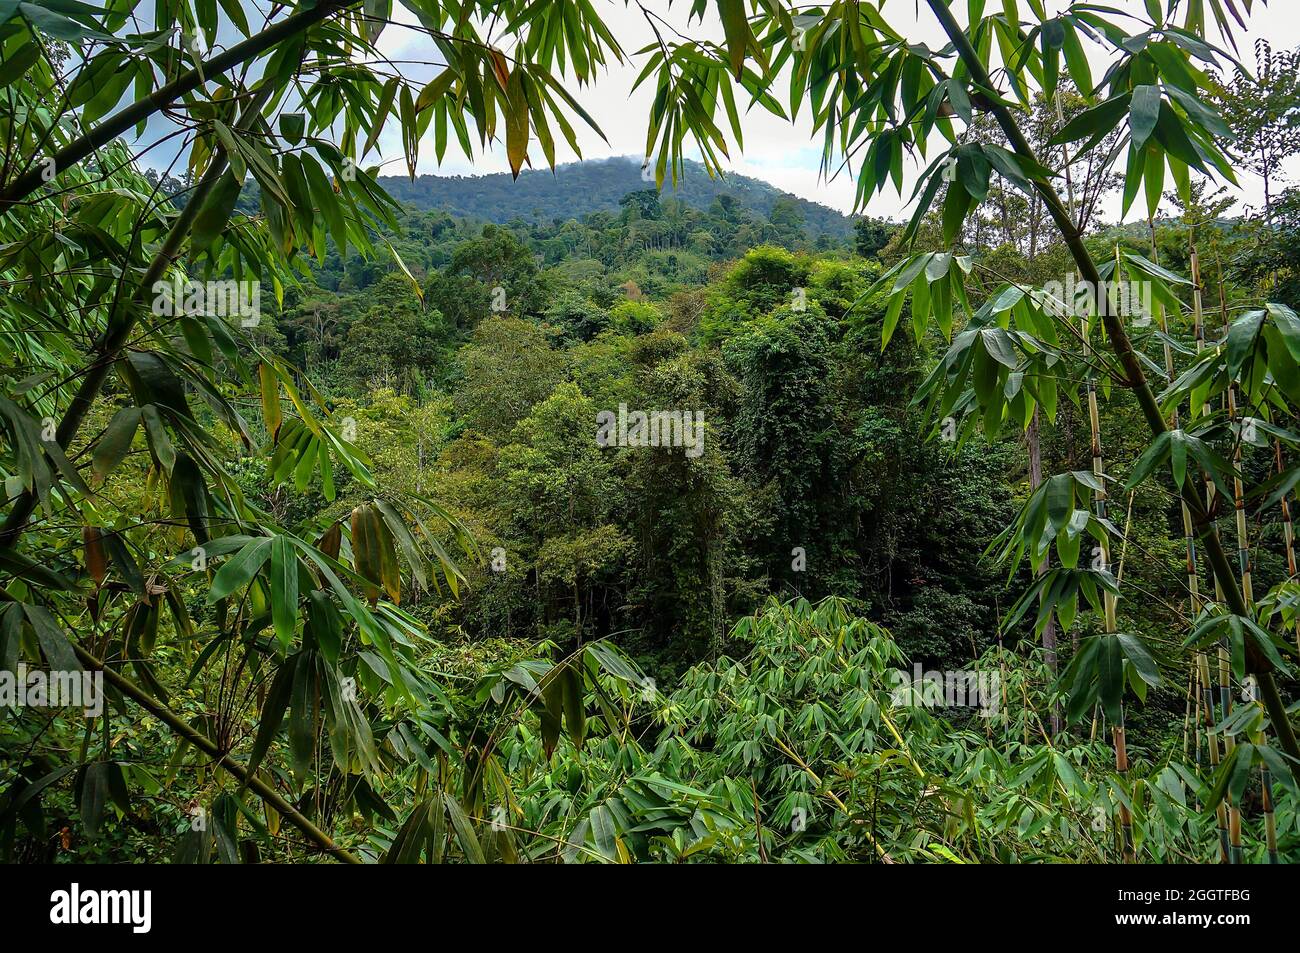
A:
{"x": 597, "y": 185}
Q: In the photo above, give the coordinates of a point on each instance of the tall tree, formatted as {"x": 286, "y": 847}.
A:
{"x": 1263, "y": 111}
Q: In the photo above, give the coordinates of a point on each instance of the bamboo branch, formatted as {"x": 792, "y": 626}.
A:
{"x": 193, "y": 737}
{"x": 120, "y": 324}
{"x": 108, "y": 130}
{"x": 1137, "y": 381}
{"x": 122, "y": 320}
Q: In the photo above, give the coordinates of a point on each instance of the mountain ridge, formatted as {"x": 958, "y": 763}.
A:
{"x": 575, "y": 189}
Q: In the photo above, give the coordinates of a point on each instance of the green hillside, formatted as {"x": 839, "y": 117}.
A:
{"x": 579, "y": 188}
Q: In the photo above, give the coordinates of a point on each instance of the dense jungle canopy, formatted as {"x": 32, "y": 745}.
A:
{"x": 647, "y": 513}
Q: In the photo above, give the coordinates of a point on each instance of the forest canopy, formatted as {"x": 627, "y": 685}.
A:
{"x": 566, "y": 515}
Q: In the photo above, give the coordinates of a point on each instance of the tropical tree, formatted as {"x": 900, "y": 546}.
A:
{"x": 1260, "y": 107}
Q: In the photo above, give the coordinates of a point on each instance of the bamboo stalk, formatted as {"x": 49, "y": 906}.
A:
{"x": 1120, "y": 742}
{"x": 1100, "y": 500}
{"x": 1288, "y": 533}
{"x": 221, "y": 759}
{"x": 1220, "y": 691}
{"x": 1239, "y": 502}
{"x": 1243, "y": 566}
{"x": 1196, "y": 712}
{"x": 1189, "y": 537}
{"x": 1033, "y": 441}
{"x": 1212, "y": 743}
{"x": 1270, "y": 822}
{"x": 1229, "y": 747}
{"x": 1204, "y": 694}
{"x": 1229, "y": 815}
{"x": 1134, "y": 374}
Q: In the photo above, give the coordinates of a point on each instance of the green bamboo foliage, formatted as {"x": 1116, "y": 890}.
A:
{"x": 1243, "y": 564}
{"x": 1109, "y": 600}
{"x": 1208, "y": 692}
{"x": 1189, "y": 539}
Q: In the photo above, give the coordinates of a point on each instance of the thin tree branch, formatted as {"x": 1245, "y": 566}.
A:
{"x": 222, "y": 759}
{"x": 164, "y": 96}
{"x": 1256, "y": 663}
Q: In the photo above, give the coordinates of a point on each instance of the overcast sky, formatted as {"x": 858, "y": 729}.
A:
{"x": 775, "y": 151}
